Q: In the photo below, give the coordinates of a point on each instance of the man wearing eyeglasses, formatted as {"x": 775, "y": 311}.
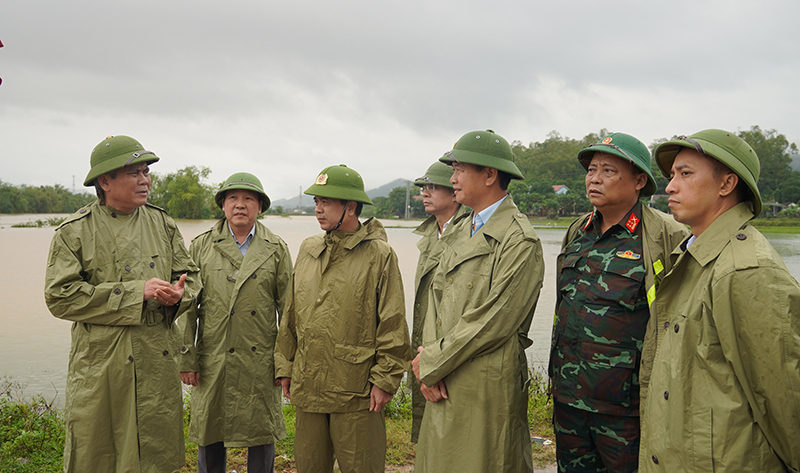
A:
{"x": 439, "y": 201}
{"x": 119, "y": 270}
{"x": 608, "y": 270}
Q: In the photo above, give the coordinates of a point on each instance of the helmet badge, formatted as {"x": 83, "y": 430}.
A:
{"x": 322, "y": 179}
{"x": 606, "y": 140}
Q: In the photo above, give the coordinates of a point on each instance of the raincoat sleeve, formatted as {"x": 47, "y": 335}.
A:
{"x": 286, "y": 342}
{"x": 284, "y": 280}
{"x": 515, "y": 284}
{"x": 182, "y": 263}
{"x": 69, "y": 296}
{"x": 392, "y": 345}
{"x": 188, "y": 323}
{"x": 761, "y": 341}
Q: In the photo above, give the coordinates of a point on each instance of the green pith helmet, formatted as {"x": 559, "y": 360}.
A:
{"x": 484, "y": 148}
{"x": 116, "y": 152}
{"x": 721, "y": 145}
{"x": 626, "y": 147}
{"x": 245, "y": 181}
{"x": 339, "y": 182}
{"x": 439, "y": 173}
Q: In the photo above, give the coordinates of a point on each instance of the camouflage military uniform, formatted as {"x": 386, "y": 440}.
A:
{"x": 597, "y": 341}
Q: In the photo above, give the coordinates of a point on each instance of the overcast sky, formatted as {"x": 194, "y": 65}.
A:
{"x": 284, "y": 89}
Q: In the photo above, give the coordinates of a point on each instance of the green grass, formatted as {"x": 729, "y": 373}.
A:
{"x": 48, "y": 222}
{"x": 32, "y": 432}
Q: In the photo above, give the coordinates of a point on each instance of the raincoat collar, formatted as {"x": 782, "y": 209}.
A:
{"x": 371, "y": 229}
{"x": 710, "y": 243}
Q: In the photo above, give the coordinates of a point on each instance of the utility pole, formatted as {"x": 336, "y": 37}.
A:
{"x": 408, "y": 198}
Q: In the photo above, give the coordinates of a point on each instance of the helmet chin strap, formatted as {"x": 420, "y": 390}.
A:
{"x": 344, "y": 212}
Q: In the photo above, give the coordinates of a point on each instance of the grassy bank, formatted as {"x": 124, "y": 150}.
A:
{"x": 32, "y": 433}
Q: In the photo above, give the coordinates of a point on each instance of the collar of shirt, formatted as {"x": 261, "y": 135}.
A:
{"x": 444, "y": 227}
{"x": 480, "y": 218}
{"x": 246, "y": 244}
{"x": 629, "y": 223}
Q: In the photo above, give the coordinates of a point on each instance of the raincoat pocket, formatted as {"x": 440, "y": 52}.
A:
{"x": 350, "y": 370}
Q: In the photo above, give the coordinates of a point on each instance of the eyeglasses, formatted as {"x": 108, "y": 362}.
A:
{"x": 427, "y": 188}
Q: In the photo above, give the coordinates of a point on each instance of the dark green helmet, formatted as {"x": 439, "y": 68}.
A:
{"x": 484, "y": 148}
{"x": 116, "y": 152}
{"x": 244, "y": 181}
{"x": 626, "y": 147}
{"x": 439, "y": 173}
{"x": 339, "y": 182}
{"x": 723, "y": 146}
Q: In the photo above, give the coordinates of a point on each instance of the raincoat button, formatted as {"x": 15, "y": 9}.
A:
{"x": 127, "y": 268}
{"x": 252, "y": 312}
{"x": 83, "y": 211}
{"x": 666, "y": 395}
{"x": 130, "y": 358}
{"x": 183, "y": 349}
{"x": 165, "y": 353}
{"x": 253, "y": 276}
{"x": 450, "y": 280}
{"x": 117, "y": 291}
{"x": 655, "y": 459}
{"x": 231, "y": 350}
{"x": 113, "y": 215}
{"x": 152, "y": 265}
{"x": 469, "y": 285}
{"x": 666, "y": 325}
{"x": 319, "y": 300}
{"x": 676, "y": 328}
{"x": 253, "y": 348}
{"x": 741, "y": 236}
{"x": 231, "y": 312}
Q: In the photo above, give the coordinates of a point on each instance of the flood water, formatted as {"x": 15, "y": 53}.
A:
{"x": 34, "y": 345}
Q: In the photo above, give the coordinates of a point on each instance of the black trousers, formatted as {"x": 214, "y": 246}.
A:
{"x": 213, "y": 458}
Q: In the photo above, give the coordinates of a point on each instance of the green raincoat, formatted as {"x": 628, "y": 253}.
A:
{"x": 123, "y": 400}
{"x": 483, "y": 297}
{"x": 429, "y": 253}
{"x": 661, "y": 235}
{"x": 344, "y": 326}
{"x": 235, "y": 326}
{"x": 725, "y": 388}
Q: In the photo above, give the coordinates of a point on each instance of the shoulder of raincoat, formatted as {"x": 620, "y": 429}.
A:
{"x": 726, "y": 365}
{"x": 661, "y": 234}
{"x": 344, "y": 327}
{"x": 230, "y": 338}
{"x": 122, "y": 356}
{"x": 483, "y": 297}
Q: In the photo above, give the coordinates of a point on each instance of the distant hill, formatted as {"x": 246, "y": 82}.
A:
{"x": 306, "y": 200}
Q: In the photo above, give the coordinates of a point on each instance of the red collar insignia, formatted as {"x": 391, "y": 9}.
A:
{"x": 632, "y": 223}
{"x": 588, "y": 222}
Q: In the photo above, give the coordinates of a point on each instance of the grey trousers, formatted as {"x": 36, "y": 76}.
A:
{"x": 213, "y": 458}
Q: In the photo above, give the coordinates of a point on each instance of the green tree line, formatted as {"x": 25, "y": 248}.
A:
{"x": 186, "y": 195}
{"x": 40, "y": 199}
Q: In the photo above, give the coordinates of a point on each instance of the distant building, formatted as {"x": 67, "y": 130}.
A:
{"x": 560, "y": 189}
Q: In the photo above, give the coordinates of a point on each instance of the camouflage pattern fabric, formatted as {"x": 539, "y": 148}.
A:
{"x": 601, "y": 320}
{"x": 588, "y": 442}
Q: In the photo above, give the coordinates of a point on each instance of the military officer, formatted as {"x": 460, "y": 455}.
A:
{"x": 439, "y": 201}
{"x": 472, "y": 364}
{"x": 608, "y": 268}
{"x": 725, "y": 389}
{"x": 119, "y": 270}
{"x": 343, "y": 342}
{"x": 229, "y": 339}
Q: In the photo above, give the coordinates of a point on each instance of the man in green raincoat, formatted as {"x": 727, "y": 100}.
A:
{"x": 472, "y": 364}
{"x": 608, "y": 268}
{"x": 119, "y": 270}
{"x": 229, "y": 339}
{"x": 343, "y": 342}
{"x": 439, "y": 201}
{"x": 725, "y": 389}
